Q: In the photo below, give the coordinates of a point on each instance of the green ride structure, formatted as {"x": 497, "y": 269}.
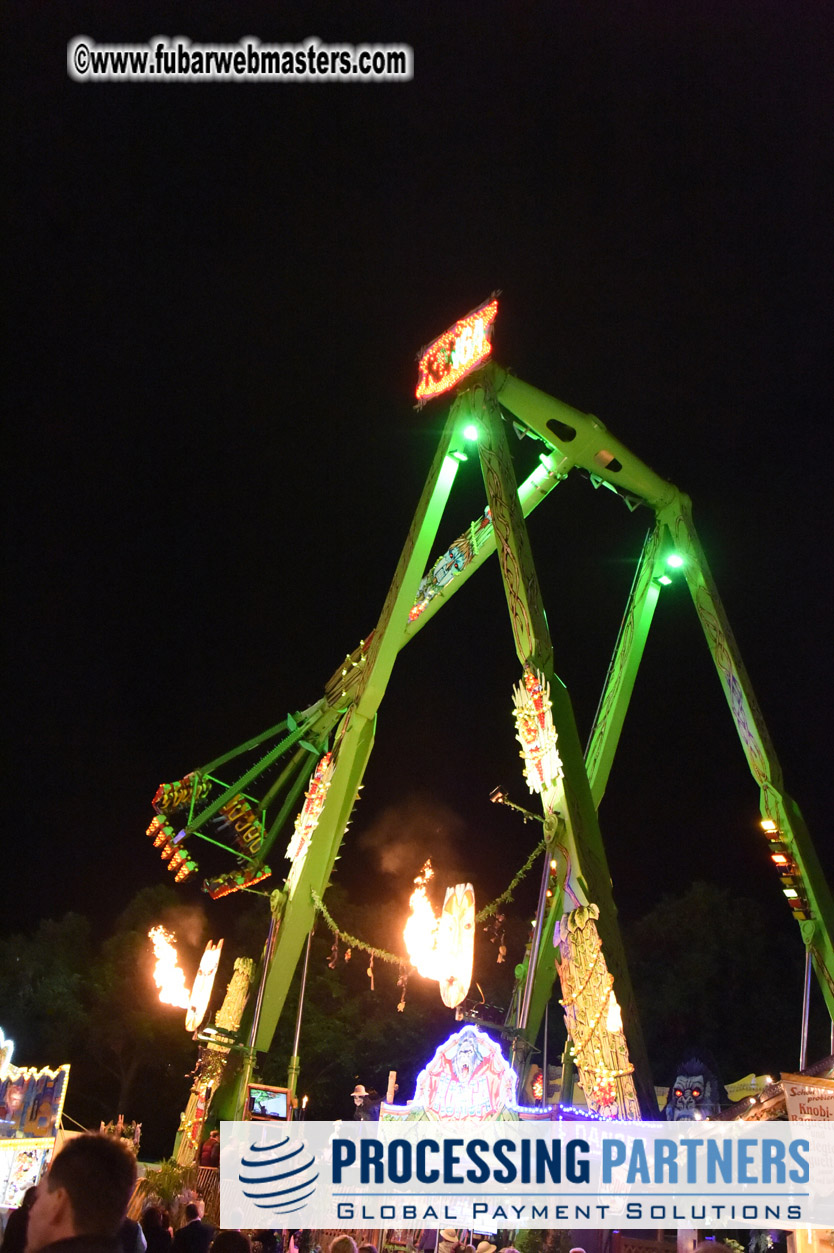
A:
{"x": 244, "y": 799}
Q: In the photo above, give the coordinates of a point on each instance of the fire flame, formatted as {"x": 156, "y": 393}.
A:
{"x": 441, "y": 946}
{"x": 421, "y": 930}
{"x": 167, "y": 975}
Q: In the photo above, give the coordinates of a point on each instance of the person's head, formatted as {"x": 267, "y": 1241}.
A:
{"x": 29, "y": 1198}
{"x": 191, "y": 1212}
{"x": 231, "y": 1242}
{"x": 343, "y": 1244}
{"x": 367, "y": 1248}
{"x": 151, "y": 1218}
{"x": 86, "y": 1192}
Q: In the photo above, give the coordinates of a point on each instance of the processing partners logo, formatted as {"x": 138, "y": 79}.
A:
{"x": 528, "y": 1175}
{"x": 277, "y": 1177}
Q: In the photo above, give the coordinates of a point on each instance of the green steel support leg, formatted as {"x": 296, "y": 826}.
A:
{"x": 628, "y": 653}
{"x": 531, "y": 493}
{"x": 817, "y": 926}
{"x": 356, "y": 736}
{"x": 586, "y": 869}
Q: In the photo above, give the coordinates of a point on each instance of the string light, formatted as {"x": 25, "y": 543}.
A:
{"x": 308, "y": 818}
{"x": 593, "y": 1018}
{"x": 235, "y": 881}
{"x": 535, "y": 731}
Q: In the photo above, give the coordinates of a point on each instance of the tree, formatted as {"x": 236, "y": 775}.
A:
{"x": 711, "y": 970}
{"x": 43, "y": 990}
{"x": 132, "y": 1035}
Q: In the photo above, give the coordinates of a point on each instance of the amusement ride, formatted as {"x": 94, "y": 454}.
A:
{"x": 310, "y": 765}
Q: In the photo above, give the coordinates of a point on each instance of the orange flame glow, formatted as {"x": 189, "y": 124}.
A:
{"x": 421, "y": 930}
{"x": 441, "y": 946}
{"x": 167, "y": 975}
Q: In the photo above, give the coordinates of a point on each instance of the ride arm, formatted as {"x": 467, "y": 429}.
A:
{"x": 792, "y": 849}
{"x": 580, "y": 439}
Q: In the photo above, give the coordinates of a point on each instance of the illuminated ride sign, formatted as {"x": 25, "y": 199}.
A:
{"x": 457, "y": 352}
{"x": 468, "y": 1078}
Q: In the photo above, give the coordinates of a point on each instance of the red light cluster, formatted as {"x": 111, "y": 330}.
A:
{"x": 235, "y": 881}
{"x": 789, "y": 872}
{"x": 457, "y": 352}
{"x": 165, "y": 838}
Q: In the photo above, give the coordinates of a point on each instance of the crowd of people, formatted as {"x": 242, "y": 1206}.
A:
{"x": 81, "y": 1206}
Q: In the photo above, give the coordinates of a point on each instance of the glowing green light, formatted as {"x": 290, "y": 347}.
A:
{"x": 664, "y": 579}
{"x": 675, "y": 561}
{"x": 470, "y": 431}
{"x": 461, "y": 456}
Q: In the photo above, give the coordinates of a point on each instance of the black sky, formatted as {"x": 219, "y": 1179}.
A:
{"x": 216, "y": 296}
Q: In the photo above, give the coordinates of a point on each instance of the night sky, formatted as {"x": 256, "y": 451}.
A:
{"x": 217, "y": 293}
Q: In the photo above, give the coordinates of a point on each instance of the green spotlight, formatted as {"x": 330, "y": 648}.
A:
{"x": 664, "y": 579}
{"x": 675, "y": 561}
{"x": 470, "y": 431}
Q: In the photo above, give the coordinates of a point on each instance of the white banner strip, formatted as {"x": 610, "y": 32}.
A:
{"x": 321, "y": 1175}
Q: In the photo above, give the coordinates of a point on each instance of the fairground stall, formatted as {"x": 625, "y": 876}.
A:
{"x": 31, "y": 1104}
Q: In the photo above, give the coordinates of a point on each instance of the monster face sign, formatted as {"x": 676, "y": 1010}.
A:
{"x": 457, "y": 352}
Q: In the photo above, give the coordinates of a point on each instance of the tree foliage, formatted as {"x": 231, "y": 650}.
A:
{"x": 712, "y": 971}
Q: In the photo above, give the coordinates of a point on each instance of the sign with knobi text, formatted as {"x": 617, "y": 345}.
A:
{"x": 808, "y": 1100}
{"x": 527, "y": 1175}
{"x": 457, "y": 352}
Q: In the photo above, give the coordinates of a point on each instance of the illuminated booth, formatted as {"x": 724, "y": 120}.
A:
{"x": 31, "y": 1104}
{"x": 468, "y": 1079}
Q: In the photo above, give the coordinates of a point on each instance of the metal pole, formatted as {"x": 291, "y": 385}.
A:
{"x": 268, "y": 949}
{"x": 295, "y": 1061}
{"x": 248, "y": 1053}
{"x": 541, "y": 909}
{"x": 806, "y": 1006}
{"x": 544, "y": 1057}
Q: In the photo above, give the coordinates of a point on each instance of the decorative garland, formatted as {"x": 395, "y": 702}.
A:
{"x": 351, "y": 942}
{"x": 507, "y": 894}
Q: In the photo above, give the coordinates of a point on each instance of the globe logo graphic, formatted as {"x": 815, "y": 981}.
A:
{"x": 277, "y": 1178}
